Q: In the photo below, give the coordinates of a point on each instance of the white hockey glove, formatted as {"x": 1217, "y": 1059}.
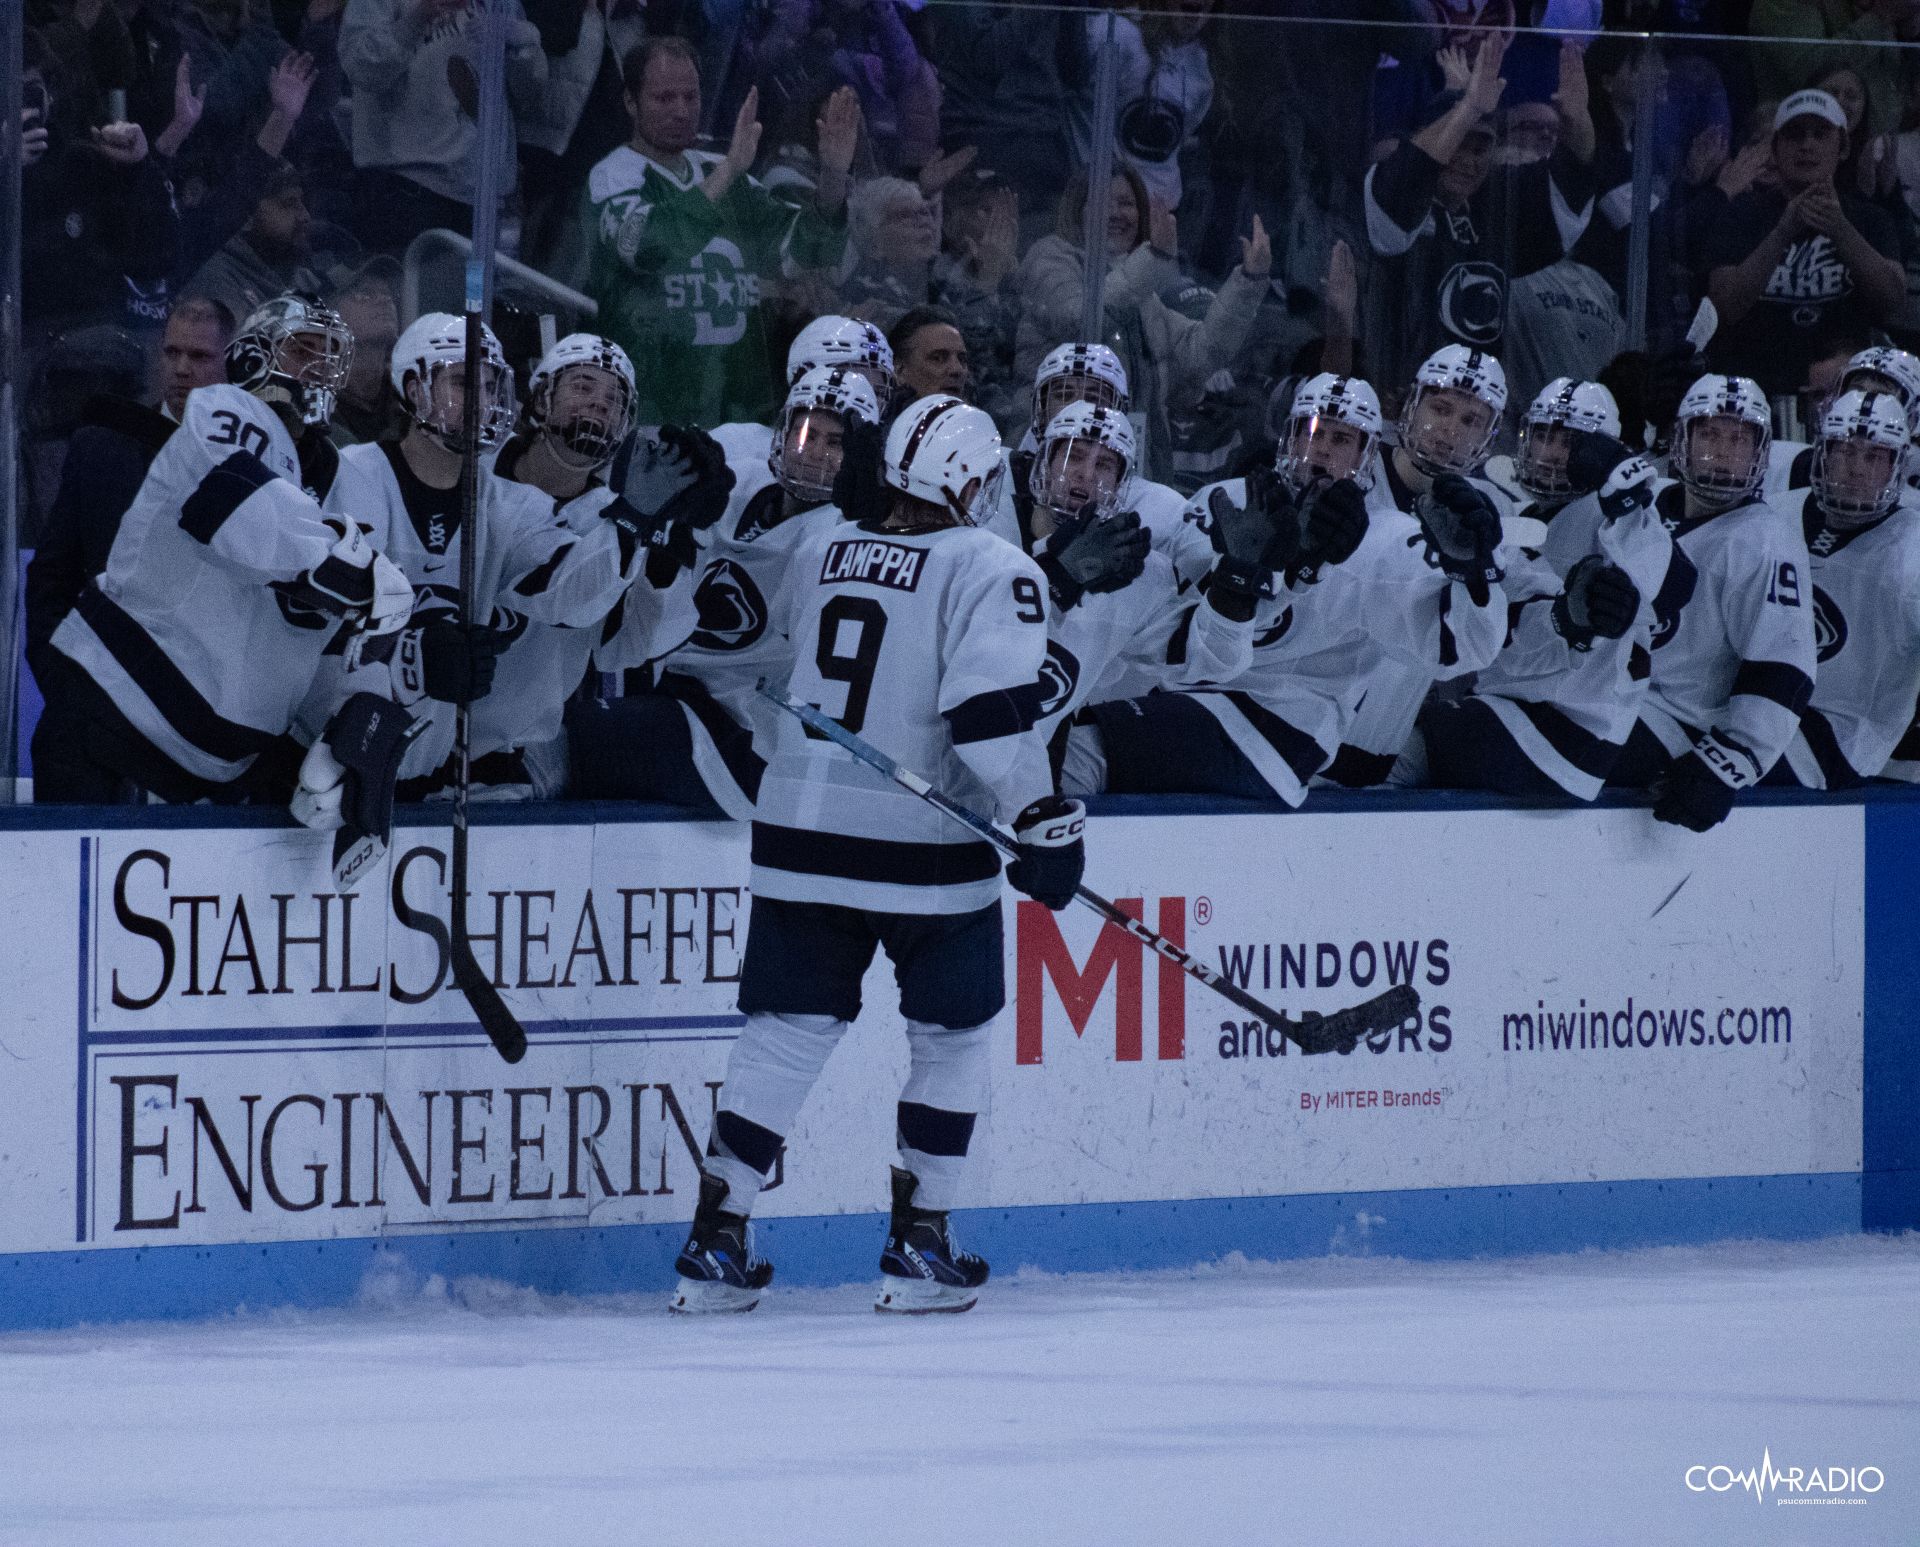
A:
{"x": 316, "y": 802}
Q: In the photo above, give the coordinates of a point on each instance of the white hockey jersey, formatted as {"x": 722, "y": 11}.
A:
{"x": 1866, "y": 624}
{"x": 543, "y": 668}
{"x": 1570, "y": 711}
{"x": 736, "y": 640}
{"x": 530, "y": 568}
{"x": 191, "y": 628}
{"x": 1147, "y": 635}
{"x": 1465, "y": 637}
{"x": 930, "y": 644}
{"x": 1739, "y": 657}
{"x": 1319, "y": 647}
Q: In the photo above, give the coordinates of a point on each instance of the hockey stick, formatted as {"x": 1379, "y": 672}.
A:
{"x": 503, "y": 1030}
{"x": 1335, "y": 1033}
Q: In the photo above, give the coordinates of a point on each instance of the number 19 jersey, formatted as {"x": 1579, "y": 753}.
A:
{"x": 930, "y": 644}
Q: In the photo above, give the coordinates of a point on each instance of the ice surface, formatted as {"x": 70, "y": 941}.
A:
{"x": 1345, "y": 1401}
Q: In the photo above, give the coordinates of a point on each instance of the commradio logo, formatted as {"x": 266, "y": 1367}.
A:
{"x": 1790, "y": 1485}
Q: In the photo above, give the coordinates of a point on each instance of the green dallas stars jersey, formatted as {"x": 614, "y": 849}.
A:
{"x": 680, "y": 279}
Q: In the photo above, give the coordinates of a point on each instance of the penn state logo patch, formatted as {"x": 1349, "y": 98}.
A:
{"x": 1829, "y": 626}
{"x": 1059, "y": 676}
{"x": 733, "y": 613}
{"x": 1473, "y": 303}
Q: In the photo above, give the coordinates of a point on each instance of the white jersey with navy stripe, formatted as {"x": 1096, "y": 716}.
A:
{"x": 1323, "y": 645}
{"x": 930, "y": 644}
{"x": 188, "y": 629}
{"x": 531, "y": 568}
{"x": 1740, "y": 657}
{"x": 1149, "y": 634}
{"x": 1569, "y": 711}
{"x": 736, "y": 640}
{"x": 1465, "y": 637}
{"x": 543, "y": 668}
{"x": 1866, "y": 621}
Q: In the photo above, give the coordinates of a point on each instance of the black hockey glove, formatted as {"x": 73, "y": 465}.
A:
{"x": 458, "y": 660}
{"x": 1697, "y": 790}
{"x": 677, "y": 475}
{"x": 1620, "y": 476}
{"x": 1053, "y": 851}
{"x": 1251, "y": 540}
{"x": 1096, "y": 556}
{"x": 1600, "y": 602}
{"x": 858, "y": 488}
{"x": 1335, "y": 524}
{"x": 1463, "y": 530}
{"x": 347, "y": 779}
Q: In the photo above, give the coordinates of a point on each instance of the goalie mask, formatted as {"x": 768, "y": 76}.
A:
{"x": 1078, "y": 373}
{"x": 1860, "y": 459}
{"x": 1720, "y": 440}
{"x": 428, "y": 370}
{"x": 1332, "y": 431}
{"x": 1453, "y": 411}
{"x": 1084, "y": 468}
{"x": 1565, "y": 412}
{"x": 1884, "y": 369}
{"x": 293, "y": 352}
{"x": 808, "y": 441}
{"x": 944, "y": 453}
{"x": 581, "y": 396}
{"x": 843, "y": 341}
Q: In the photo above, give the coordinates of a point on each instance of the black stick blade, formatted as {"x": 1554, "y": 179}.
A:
{"x": 1342, "y": 1031}
{"x": 509, "y": 1039}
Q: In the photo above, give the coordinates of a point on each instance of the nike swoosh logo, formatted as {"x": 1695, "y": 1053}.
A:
{"x": 434, "y": 569}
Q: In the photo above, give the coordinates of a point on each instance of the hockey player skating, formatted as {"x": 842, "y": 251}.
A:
{"x": 579, "y": 413}
{"x": 1447, "y": 428}
{"x": 692, "y": 742}
{"x": 1732, "y": 674}
{"x": 927, "y": 636}
{"x": 1863, "y": 542}
{"x": 184, "y": 662}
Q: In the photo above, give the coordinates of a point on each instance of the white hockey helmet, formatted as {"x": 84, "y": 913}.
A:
{"x": 1437, "y": 444}
{"x": 844, "y": 341}
{"x": 1577, "y": 408}
{"x": 803, "y": 460}
{"x": 1716, "y": 478}
{"x": 433, "y": 344}
{"x": 296, "y": 351}
{"x": 943, "y": 452}
{"x": 1861, "y": 482}
{"x": 1078, "y": 373}
{"x": 1323, "y": 400}
{"x": 1076, "y": 486}
{"x": 1900, "y": 370}
{"x": 589, "y": 433}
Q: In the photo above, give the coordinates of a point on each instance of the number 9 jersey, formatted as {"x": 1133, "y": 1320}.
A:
{"x": 930, "y": 643}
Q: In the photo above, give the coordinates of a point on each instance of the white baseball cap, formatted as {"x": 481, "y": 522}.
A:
{"x": 1810, "y": 104}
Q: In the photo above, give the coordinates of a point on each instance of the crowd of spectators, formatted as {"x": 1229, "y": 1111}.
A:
{"x": 1290, "y": 189}
{"x": 1295, "y": 188}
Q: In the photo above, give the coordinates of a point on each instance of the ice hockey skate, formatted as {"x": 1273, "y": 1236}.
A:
{"x": 923, "y": 1270}
{"x": 718, "y": 1270}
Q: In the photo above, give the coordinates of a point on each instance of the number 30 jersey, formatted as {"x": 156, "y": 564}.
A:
{"x": 930, "y": 644}
{"x": 196, "y": 627}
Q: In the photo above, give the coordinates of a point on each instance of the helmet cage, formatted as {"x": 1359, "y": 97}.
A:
{"x": 1101, "y": 428}
{"x": 295, "y": 353}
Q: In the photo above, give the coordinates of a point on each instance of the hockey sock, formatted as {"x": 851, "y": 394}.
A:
{"x": 946, "y": 1086}
{"x": 769, "y": 1073}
